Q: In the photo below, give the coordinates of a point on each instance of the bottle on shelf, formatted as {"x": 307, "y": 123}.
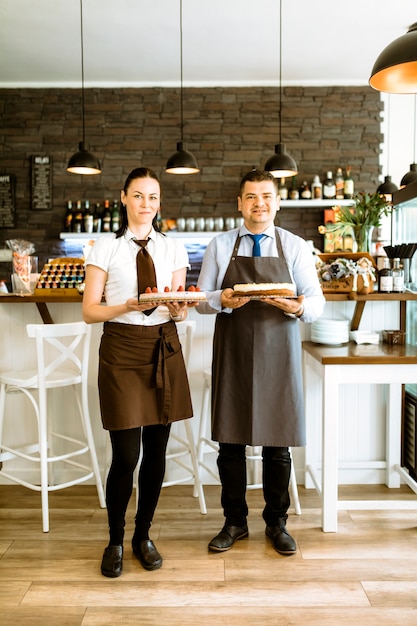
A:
{"x": 283, "y": 189}
{"x": 87, "y": 218}
{"x": 305, "y": 191}
{"x": 316, "y": 188}
{"x": 97, "y": 218}
{"x": 329, "y": 187}
{"x": 115, "y": 217}
{"x": 68, "y": 217}
{"x": 106, "y": 217}
{"x": 77, "y": 220}
{"x": 397, "y": 277}
{"x": 293, "y": 194}
{"x": 385, "y": 281}
{"x": 349, "y": 185}
{"x": 340, "y": 184}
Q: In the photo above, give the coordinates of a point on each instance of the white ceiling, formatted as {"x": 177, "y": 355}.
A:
{"x": 225, "y": 42}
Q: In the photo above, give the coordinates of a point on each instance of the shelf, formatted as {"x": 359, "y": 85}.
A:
{"x": 316, "y": 203}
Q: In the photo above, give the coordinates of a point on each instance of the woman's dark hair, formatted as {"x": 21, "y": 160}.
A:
{"x": 138, "y": 172}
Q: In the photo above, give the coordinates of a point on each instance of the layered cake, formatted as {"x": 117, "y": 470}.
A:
{"x": 283, "y": 290}
{"x": 191, "y": 295}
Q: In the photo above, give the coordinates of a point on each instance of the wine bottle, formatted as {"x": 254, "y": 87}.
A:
{"x": 106, "y": 217}
{"x": 87, "y": 217}
{"x": 329, "y": 187}
{"x": 68, "y": 217}
{"x": 397, "y": 277}
{"x": 78, "y": 218}
{"x": 115, "y": 217}
{"x": 316, "y": 188}
{"x": 385, "y": 282}
{"x": 340, "y": 184}
{"x": 97, "y": 218}
{"x": 349, "y": 185}
{"x": 305, "y": 191}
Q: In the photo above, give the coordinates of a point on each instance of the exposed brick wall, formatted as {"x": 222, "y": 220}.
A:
{"x": 228, "y": 129}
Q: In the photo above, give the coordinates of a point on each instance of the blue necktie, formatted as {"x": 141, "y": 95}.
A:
{"x": 256, "y": 244}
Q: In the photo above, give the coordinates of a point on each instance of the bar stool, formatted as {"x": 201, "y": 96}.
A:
{"x": 253, "y": 454}
{"x": 62, "y": 358}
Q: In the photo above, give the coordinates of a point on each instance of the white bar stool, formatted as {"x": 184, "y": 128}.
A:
{"x": 254, "y": 453}
{"x": 62, "y": 356}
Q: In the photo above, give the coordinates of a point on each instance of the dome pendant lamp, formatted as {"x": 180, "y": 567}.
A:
{"x": 182, "y": 161}
{"x": 83, "y": 161}
{"x": 395, "y": 70}
{"x": 281, "y": 164}
{"x": 387, "y": 188}
{"x": 411, "y": 176}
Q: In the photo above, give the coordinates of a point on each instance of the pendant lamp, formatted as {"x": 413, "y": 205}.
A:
{"x": 182, "y": 161}
{"x": 395, "y": 70}
{"x": 411, "y": 176}
{"x": 281, "y": 164}
{"x": 387, "y": 188}
{"x": 83, "y": 161}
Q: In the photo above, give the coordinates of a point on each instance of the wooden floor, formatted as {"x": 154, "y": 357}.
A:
{"x": 366, "y": 574}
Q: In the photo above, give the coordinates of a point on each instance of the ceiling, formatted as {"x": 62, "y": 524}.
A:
{"x": 136, "y": 43}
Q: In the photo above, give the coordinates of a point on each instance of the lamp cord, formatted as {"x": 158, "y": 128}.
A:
{"x": 280, "y": 69}
{"x": 82, "y": 70}
{"x": 181, "y": 73}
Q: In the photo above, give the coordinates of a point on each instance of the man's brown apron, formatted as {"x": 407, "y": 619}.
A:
{"x": 142, "y": 376}
{"x": 257, "y": 391}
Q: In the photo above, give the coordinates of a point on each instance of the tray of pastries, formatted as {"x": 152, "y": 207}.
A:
{"x": 192, "y": 294}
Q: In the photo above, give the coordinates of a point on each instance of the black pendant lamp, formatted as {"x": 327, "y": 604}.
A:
{"x": 83, "y": 161}
{"x": 281, "y": 164}
{"x": 395, "y": 70}
{"x": 411, "y": 176}
{"x": 387, "y": 188}
{"x": 182, "y": 161}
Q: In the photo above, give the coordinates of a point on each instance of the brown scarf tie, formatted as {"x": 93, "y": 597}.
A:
{"x": 145, "y": 269}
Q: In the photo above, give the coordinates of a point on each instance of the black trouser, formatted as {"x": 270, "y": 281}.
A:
{"x": 276, "y": 472}
{"x": 126, "y": 449}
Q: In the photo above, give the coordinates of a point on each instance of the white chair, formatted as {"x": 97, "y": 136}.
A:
{"x": 253, "y": 456}
{"x": 182, "y": 446}
{"x": 62, "y": 356}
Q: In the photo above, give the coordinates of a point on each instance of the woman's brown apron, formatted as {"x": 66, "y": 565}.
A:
{"x": 257, "y": 391}
{"x": 142, "y": 376}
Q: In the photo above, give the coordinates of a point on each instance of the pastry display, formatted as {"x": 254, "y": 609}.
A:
{"x": 191, "y": 295}
{"x": 63, "y": 276}
{"x": 283, "y": 290}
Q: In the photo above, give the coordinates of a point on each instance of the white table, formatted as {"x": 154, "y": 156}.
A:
{"x": 352, "y": 364}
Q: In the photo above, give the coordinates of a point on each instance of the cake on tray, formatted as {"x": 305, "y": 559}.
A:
{"x": 283, "y": 290}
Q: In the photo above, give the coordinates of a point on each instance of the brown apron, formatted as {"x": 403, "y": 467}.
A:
{"x": 142, "y": 377}
{"x": 257, "y": 391}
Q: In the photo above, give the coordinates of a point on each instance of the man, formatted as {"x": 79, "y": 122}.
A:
{"x": 257, "y": 395}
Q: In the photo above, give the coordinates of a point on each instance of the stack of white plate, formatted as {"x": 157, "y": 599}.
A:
{"x": 331, "y": 332}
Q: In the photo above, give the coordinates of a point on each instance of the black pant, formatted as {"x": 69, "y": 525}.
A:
{"x": 276, "y": 472}
{"x": 126, "y": 449}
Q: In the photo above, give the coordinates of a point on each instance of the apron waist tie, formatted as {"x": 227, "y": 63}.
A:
{"x": 162, "y": 381}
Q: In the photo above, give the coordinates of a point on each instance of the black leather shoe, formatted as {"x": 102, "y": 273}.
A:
{"x": 281, "y": 539}
{"x": 226, "y": 537}
{"x": 112, "y": 563}
{"x": 147, "y": 554}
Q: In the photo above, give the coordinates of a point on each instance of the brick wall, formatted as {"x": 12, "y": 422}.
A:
{"x": 229, "y": 130}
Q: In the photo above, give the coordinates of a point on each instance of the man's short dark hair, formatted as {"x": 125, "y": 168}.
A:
{"x": 257, "y": 176}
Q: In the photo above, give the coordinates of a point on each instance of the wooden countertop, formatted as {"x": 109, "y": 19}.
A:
{"x": 354, "y": 354}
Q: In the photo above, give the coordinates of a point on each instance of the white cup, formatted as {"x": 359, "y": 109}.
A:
{"x": 200, "y": 223}
{"x": 230, "y": 223}
{"x": 190, "y": 224}
{"x": 180, "y": 224}
{"x": 209, "y": 224}
{"x": 218, "y": 223}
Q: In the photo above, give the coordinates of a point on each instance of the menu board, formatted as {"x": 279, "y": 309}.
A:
{"x": 7, "y": 200}
{"x": 42, "y": 183}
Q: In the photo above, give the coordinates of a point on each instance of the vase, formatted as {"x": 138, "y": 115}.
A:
{"x": 363, "y": 238}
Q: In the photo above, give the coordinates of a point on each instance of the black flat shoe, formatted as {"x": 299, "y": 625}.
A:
{"x": 112, "y": 563}
{"x": 281, "y": 539}
{"x": 147, "y": 554}
{"x": 226, "y": 537}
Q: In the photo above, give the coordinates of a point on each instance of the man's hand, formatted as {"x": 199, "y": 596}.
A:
{"x": 229, "y": 301}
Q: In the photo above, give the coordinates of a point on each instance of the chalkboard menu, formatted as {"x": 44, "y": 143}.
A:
{"x": 7, "y": 200}
{"x": 42, "y": 183}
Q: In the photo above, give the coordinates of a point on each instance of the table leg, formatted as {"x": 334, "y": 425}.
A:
{"x": 393, "y": 434}
{"x": 330, "y": 448}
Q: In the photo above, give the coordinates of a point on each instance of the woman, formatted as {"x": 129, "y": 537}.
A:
{"x": 143, "y": 384}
